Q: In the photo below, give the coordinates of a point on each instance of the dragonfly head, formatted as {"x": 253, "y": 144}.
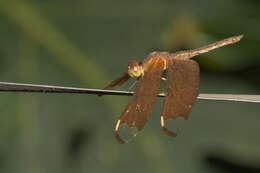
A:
{"x": 134, "y": 69}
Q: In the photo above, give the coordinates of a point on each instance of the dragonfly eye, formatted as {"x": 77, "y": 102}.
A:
{"x": 134, "y": 69}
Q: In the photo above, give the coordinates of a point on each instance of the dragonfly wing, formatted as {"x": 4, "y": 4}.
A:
{"x": 182, "y": 86}
{"x": 141, "y": 104}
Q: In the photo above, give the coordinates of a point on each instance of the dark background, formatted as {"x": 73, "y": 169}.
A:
{"x": 88, "y": 43}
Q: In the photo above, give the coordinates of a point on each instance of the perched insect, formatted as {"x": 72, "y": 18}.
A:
{"x": 182, "y": 84}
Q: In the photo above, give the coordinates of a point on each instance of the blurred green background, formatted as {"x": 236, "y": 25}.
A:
{"x": 88, "y": 43}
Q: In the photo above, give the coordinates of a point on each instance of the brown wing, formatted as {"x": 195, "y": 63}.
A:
{"x": 140, "y": 107}
{"x": 181, "y": 92}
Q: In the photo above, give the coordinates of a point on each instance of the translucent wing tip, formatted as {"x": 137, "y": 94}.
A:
{"x": 172, "y": 126}
{"x": 169, "y": 133}
{"x": 119, "y": 139}
{"x": 124, "y": 133}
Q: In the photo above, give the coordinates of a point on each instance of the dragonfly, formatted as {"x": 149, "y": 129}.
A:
{"x": 182, "y": 83}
